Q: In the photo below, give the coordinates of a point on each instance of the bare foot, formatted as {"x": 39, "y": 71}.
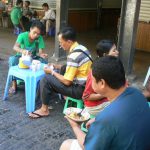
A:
{"x": 38, "y": 114}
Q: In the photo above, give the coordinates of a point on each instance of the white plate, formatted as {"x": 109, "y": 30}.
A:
{"x": 69, "y": 111}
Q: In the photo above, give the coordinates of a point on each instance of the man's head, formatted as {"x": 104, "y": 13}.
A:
{"x": 19, "y": 3}
{"x": 108, "y": 72}
{"x": 45, "y": 6}
{"x": 27, "y": 4}
{"x": 35, "y": 30}
{"x": 106, "y": 47}
{"x": 66, "y": 37}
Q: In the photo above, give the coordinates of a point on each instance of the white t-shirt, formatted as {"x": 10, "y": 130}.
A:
{"x": 50, "y": 14}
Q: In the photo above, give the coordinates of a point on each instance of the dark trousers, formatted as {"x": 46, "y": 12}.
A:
{"x": 50, "y": 85}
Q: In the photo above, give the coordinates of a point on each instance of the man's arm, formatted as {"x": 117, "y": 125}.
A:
{"x": 58, "y": 76}
{"x": 93, "y": 97}
{"x": 80, "y": 135}
{"x": 20, "y": 50}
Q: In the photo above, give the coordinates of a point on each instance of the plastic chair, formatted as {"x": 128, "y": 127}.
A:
{"x": 72, "y": 102}
{"x": 30, "y": 78}
{"x": 83, "y": 127}
{"x": 51, "y": 31}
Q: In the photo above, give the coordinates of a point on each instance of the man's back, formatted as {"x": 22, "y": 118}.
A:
{"x": 16, "y": 14}
{"x": 124, "y": 124}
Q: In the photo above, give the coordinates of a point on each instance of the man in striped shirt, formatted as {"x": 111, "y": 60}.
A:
{"x": 72, "y": 83}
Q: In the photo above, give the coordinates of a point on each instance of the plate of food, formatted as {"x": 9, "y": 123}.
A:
{"x": 74, "y": 114}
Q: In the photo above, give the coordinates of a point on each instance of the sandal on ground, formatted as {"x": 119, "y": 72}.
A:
{"x": 35, "y": 115}
{"x": 12, "y": 90}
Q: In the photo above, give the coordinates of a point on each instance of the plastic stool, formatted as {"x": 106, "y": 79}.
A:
{"x": 51, "y": 31}
{"x": 20, "y": 82}
{"x": 30, "y": 78}
{"x": 83, "y": 127}
{"x": 72, "y": 102}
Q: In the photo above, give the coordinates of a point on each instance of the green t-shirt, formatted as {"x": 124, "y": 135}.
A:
{"x": 33, "y": 47}
{"x": 15, "y": 15}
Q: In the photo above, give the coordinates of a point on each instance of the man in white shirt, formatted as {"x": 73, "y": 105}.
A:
{"x": 49, "y": 17}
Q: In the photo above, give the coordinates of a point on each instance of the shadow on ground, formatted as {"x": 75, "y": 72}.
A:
{"x": 19, "y": 132}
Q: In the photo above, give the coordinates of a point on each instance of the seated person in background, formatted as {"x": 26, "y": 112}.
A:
{"x": 16, "y": 15}
{"x": 122, "y": 125}
{"x": 93, "y": 101}
{"x": 28, "y": 43}
{"x": 27, "y": 8}
{"x": 26, "y": 11}
{"x": 31, "y": 18}
{"x": 72, "y": 83}
{"x": 49, "y": 17}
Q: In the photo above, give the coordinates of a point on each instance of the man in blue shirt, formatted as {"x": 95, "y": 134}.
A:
{"x": 124, "y": 124}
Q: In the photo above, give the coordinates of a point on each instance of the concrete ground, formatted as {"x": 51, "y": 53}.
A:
{"x": 17, "y": 130}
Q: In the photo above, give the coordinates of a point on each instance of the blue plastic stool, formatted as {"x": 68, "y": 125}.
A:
{"x": 51, "y": 31}
{"x": 30, "y": 78}
{"x": 17, "y": 30}
{"x": 72, "y": 102}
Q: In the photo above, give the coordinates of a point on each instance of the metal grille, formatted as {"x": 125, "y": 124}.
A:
{"x": 38, "y": 3}
{"x": 145, "y": 11}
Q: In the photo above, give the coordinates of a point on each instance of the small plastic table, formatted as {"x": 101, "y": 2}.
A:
{"x": 30, "y": 78}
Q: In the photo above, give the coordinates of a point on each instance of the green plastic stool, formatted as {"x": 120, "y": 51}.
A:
{"x": 20, "y": 82}
{"x": 83, "y": 127}
{"x": 72, "y": 102}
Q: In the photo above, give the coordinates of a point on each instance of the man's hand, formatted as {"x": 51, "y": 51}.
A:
{"x": 90, "y": 122}
{"x": 43, "y": 55}
{"x": 26, "y": 52}
{"x": 47, "y": 70}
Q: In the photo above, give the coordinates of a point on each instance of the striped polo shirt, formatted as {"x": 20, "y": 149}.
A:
{"x": 78, "y": 65}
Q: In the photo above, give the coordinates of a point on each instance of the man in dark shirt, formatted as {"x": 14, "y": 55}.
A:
{"x": 122, "y": 125}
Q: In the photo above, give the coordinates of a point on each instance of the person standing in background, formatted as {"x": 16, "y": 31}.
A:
{"x": 16, "y": 15}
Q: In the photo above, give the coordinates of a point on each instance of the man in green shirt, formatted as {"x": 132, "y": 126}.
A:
{"x": 16, "y": 15}
{"x": 28, "y": 43}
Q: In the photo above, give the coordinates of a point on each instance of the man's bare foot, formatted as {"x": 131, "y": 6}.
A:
{"x": 38, "y": 114}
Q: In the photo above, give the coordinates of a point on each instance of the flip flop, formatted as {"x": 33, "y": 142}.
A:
{"x": 37, "y": 115}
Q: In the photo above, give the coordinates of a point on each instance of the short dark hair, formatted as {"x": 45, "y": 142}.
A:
{"x": 68, "y": 33}
{"x": 19, "y": 2}
{"x": 45, "y": 5}
{"x": 110, "y": 69}
{"x": 37, "y": 24}
{"x": 103, "y": 46}
{"x": 28, "y": 2}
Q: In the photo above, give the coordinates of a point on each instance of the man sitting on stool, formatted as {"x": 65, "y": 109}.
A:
{"x": 49, "y": 17}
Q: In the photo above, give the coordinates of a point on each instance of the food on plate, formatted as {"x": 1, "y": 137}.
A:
{"x": 75, "y": 116}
